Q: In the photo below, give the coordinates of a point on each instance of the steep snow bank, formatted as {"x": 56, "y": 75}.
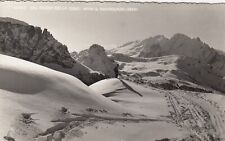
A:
{"x": 128, "y": 93}
{"x": 114, "y": 86}
{"x": 107, "y": 86}
{"x": 30, "y": 88}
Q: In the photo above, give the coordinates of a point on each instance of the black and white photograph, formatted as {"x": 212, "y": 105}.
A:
{"x": 112, "y": 71}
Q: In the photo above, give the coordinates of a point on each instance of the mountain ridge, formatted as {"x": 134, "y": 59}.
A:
{"x": 179, "y": 44}
{"x": 39, "y": 46}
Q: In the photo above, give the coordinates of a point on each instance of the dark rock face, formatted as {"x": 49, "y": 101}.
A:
{"x": 201, "y": 73}
{"x": 97, "y": 49}
{"x": 96, "y": 58}
{"x": 32, "y": 44}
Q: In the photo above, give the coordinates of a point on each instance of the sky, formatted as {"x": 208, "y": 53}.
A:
{"x": 79, "y": 25}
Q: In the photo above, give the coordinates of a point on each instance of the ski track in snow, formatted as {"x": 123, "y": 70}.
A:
{"x": 198, "y": 115}
{"x": 66, "y": 125}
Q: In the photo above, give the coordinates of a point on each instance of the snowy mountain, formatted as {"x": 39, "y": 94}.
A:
{"x": 96, "y": 58}
{"x": 130, "y": 48}
{"x": 31, "y": 43}
{"x": 179, "y": 44}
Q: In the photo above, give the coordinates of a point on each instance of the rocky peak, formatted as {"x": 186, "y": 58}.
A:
{"x": 151, "y": 47}
{"x": 30, "y": 43}
{"x": 180, "y": 36}
{"x": 39, "y": 46}
{"x": 96, "y": 58}
{"x": 96, "y": 49}
{"x": 154, "y": 40}
{"x": 159, "y": 38}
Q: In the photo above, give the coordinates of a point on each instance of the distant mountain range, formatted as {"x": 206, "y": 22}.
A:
{"x": 179, "y": 44}
{"x": 158, "y": 61}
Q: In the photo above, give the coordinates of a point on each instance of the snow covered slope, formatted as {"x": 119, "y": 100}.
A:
{"x": 130, "y": 48}
{"x": 26, "y": 87}
{"x": 147, "y": 101}
{"x": 200, "y": 114}
{"x": 170, "y": 72}
{"x": 40, "y": 104}
{"x": 115, "y": 87}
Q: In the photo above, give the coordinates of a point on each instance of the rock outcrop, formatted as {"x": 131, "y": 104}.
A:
{"x": 30, "y": 43}
{"x": 96, "y": 58}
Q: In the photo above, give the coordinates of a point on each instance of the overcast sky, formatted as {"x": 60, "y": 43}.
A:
{"x": 79, "y": 25}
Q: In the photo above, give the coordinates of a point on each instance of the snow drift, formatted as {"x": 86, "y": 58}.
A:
{"x": 115, "y": 87}
{"x": 26, "y": 87}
